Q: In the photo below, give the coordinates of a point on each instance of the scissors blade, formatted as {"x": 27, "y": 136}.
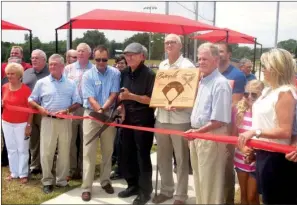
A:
{"x": 98, "y": 134}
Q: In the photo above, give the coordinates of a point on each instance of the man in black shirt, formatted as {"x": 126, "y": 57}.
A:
{"x": 137, "y": 81}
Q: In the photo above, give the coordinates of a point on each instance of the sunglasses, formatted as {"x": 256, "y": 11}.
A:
{"x": 253, "y": 95}
{"x": 104, "y": 60}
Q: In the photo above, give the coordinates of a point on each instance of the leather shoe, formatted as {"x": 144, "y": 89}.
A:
{"x": 130, "y": 191}
{"x": 141, "y": 199}
{"x": 35, "y": 171}
{"x": 160, "y": 199}
{"x": 86, "y": 196}
{"x": 108, "y": 189}
{"x": 48, "y": 189}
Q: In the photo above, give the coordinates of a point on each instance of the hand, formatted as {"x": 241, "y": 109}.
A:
{"x": 125, "y": 95}
{"x": 169, "y": 108}
{"x": 249, "y": 158}
{"x": 247, "y": 150}
{"x": 28, "y": 131}
{"x": 292, "y": 156}
{"x": 189, "y": 137}
{"x": 61, "y": 112}
{"x": 244, "y": 137}
{"x": 43, "y": 111}
{"x": 100, "y": 111}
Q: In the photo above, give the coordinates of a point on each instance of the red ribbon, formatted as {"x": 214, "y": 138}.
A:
{"x": 269, "y": 146}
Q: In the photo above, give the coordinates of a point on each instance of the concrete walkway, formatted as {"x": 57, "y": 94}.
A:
{"x": 100, "y": 197}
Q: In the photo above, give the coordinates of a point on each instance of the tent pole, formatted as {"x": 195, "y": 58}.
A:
{"x": 227, "y": 38}
{"x": 260, "y": 62}
{"x": 57, "y": 41}
{"x": 255, "y": 47}
{"x": 184, "y": 49}
{"x": 30, "y": 41}
{"x": 70, "y": 35}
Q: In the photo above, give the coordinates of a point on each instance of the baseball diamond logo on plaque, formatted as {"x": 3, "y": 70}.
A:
{"x": 176, "y": 88}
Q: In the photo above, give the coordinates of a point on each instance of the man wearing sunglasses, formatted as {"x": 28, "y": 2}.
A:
{"x": 75, "y": 72}
{"x": 100, "y": 86}
{"x": 71, "y": 56}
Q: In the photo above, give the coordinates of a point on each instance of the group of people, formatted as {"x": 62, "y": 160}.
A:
{"x": 229, "y": 101}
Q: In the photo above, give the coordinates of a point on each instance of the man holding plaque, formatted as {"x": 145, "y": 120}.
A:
{"x": 173, "y": 118}
{"x": 211, "y": 114}
{"x": 137, "y": 82}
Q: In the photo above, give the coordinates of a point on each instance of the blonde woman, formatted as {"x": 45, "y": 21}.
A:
{"x": 16, "y": 125}
{"x": 241, "y": 122}
{"x": 273, "y": 117}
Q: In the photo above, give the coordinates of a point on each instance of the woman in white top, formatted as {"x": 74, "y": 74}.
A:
{"x": 272, "y": 121}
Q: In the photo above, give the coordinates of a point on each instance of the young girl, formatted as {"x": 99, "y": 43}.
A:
{"x": 241, "y": 122}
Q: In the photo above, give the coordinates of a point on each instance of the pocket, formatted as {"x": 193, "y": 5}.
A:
{"x": 208, "y": 151}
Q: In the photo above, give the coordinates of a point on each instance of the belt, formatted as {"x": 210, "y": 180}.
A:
{"x": 54, "y": 117}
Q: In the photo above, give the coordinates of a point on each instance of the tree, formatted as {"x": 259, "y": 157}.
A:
{"x": 92, "y": 38}
{"x": 289, "y": 45}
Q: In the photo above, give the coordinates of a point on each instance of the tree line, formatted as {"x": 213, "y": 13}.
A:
{"x": 95, "y": 37}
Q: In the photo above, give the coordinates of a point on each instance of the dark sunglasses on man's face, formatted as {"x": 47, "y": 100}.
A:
{"x": 104, "y": 60}
{"x": 253, "y": 95}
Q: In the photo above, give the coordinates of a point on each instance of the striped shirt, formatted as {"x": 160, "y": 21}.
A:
{"x": 213, "y": 101}
{"x": 100, "y": 85}
{"x": 55, "y": 95}
{"x": 75, "y": 72}
{"x": 245, "y": 125}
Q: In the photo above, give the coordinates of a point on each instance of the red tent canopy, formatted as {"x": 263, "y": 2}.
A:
{"x": 221, "y": 35}
{"x": 5, "y": 25}
{"x": 136, "y": 21}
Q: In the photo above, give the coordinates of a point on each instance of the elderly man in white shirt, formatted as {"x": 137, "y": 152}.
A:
{"x": 173, "y": 118}
{"x": 211, "y": 114}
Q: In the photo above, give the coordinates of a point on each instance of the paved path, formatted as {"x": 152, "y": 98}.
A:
{"x": 100, "y": 197}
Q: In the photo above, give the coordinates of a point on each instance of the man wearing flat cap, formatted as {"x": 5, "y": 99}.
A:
{"x": 137, "y": 81}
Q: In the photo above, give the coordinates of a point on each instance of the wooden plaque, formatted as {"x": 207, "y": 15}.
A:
{"x": 176, "y": 87}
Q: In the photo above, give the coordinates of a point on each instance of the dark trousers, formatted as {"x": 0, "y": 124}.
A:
{"x": 276, "y": 178}
{"x": 4, "y": 154}
{"x": 135, "y": 156}
{"x": 116, "y": 155}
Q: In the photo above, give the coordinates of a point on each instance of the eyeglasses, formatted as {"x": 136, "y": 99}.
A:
{"x": 170, "y": 43}
{"x": 253, "y": 95}
{"x": 75, "y": 57}
{"x": 104, "y": 60}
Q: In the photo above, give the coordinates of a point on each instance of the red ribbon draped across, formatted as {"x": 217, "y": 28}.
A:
{"x": 269, "y": 146}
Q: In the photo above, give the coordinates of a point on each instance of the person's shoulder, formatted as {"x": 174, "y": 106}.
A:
{"x": 163, "y": 63}
{"x": 236, "y": 72}
{"x": 221, "y": 81}
{"x": 26, "y": 87}
{"x": 114, "y": 70}
{"x": 29, "y": 70}
{"x": 186, "y": 63}
{"x": 5, "y": 86}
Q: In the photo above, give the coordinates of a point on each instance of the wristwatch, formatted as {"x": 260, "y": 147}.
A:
{"x": 258, "y": 133}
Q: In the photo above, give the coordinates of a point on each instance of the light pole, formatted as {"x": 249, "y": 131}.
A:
{"x": 150, "y": 8}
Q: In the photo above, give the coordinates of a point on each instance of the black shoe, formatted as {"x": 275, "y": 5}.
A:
{"x": 130, "y": 191}
{"x": 48, "y": 189}
{"x": 66, "y": 186}
{"x": 35, "y": 171}
{"x": 141, "y": 199}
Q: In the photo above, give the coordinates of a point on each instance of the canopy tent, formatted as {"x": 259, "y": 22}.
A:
{"x": 5, "y": 25}
{"x": 230, "y": 36}
{"x": 133, "y": 21}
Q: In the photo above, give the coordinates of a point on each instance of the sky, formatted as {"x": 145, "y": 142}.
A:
{"x": 253, "y": 18}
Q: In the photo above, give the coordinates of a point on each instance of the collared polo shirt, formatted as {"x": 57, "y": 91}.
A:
{"x": 75, "y": 72}
{"x": 31, "y": 76}
{"x": 233, "y": 73}
{"x": 139, "y": 82}
{"x": 100, "y": 85}
{"x": 178, "y": 116}
{"x": 213, "y": 101}
{"x": 250, "y": 77}
{"x": 55, "y": 95}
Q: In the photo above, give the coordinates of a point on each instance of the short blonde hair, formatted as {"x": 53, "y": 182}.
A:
{"x": 280, "y": 63}
{"x": 15, "y": 68}
{"x": 213, "y": 48}
{"x": 85, "y": 46}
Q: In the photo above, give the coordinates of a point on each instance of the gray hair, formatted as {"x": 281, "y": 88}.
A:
{"x": 86, "y": 46}
{"x": 41, "y": 53}
{"x": 70, "y": 51}
{"x": 57, "y": 56}
{"x": 177, "y": 38}
{"x": 243, "y": 61}
{"x": 214, "y": 50}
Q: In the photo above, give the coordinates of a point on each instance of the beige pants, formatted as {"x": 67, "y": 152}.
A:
{"x": 166, "y": 145}
{"x": 77, "y": 125}
{"x": 53, "y": 132}
{"x": 208, "y": 160}
{"x": 89, "y": 153}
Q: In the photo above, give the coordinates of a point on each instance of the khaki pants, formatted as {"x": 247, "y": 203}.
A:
{"x": 53, "y": 132}
{"x": 76, "y": 159}
{"x": 166, "y": 145}
{"x": 35, "y": 142}
{"x": 230, "y": 175}
{"x": 90, "y": 128}
{"x": 208, "y": 160}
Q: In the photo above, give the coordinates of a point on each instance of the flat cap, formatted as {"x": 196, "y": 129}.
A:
{"x": 134, "y": 48}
